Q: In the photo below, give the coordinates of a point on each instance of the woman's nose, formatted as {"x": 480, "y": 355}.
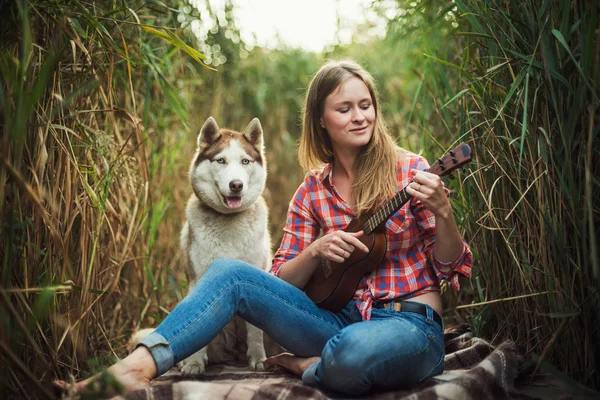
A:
{"x": 357, "y": 115}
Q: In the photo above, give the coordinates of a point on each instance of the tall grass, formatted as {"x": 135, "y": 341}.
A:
{"x": 519, "y": 81}
{"x": 99, "y": 118}
{"x": 91, "y": 119}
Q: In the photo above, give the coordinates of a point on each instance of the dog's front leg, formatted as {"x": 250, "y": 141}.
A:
{"x": 195, "y": 364}
{"x": 256, "y": 348}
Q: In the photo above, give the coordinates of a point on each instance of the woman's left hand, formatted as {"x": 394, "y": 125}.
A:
{"x": 429, "y": 189}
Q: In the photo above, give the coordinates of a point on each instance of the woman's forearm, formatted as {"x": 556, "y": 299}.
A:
{"x": 448, "y": 241}
{"x": 299, "y": 270}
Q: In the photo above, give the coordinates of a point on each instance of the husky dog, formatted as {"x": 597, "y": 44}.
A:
{"x": 227, "y": 217}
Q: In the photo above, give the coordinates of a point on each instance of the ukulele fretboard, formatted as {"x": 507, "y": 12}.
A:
{"x": 386, "y": 211}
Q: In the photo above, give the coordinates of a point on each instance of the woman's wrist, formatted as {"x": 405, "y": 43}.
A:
{"x": 313, "y": 250}
{"x": 444, "y": 213}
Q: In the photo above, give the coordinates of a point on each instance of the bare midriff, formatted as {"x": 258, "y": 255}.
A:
{"x": 432, "y": 299}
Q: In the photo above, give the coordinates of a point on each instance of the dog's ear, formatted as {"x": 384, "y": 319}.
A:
{"x": 209, "y": 133}
{"x": 254, "y": 133}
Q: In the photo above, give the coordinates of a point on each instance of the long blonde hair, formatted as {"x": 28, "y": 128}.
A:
{"x": 376, "y": 179}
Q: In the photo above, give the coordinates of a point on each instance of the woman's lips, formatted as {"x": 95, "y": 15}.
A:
{"x": 358, "y": 130}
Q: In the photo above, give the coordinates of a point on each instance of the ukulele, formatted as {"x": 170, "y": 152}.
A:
{"x": 333, "y": 284}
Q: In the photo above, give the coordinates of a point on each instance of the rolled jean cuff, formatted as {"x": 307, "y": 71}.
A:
{"x": 309, "y": 376}
{"x": 160, "y": 350}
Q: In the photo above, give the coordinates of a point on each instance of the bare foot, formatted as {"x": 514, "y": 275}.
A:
{"x": 296, "y": 365}
{"x": 132, "y": 373}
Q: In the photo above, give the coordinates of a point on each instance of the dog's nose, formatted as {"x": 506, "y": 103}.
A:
{"x": 236, "y": 185}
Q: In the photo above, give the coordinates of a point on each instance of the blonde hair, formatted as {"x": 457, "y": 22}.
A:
{"x": 376, "y": 175}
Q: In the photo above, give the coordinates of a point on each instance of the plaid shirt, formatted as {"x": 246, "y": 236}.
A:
{"x": 409, "y": 268}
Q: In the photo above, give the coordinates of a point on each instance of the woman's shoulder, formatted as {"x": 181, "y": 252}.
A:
{"x": 313, "y": 181}
{"x": 317, "y": 175}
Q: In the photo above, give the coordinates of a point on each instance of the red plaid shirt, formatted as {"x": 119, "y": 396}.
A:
{"x": 409, "y": 268}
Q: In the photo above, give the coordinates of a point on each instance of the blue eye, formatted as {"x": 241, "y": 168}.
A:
{"x": 220, "y": 160}
{"x": 245, "y": 161}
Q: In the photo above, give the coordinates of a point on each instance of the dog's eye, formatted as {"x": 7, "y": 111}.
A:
{"x": 221, "y": 160}
{"x": 245, "y": 161}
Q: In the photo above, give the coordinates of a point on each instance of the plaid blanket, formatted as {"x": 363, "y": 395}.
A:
{"x": 474, "y": 369}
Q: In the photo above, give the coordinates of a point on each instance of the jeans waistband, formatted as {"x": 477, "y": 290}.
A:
{"x": 409, "y": 306}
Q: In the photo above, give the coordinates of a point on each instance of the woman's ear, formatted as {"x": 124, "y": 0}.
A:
{"x": 321, "y": 121}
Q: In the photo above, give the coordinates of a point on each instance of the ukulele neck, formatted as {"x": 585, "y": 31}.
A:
{"x": 386, "y": 211}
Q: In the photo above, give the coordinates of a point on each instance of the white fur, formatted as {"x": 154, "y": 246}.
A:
{"x": 137, "y": 337}
{"x": 213, "y": 230}
{"x": 210, "y": 179}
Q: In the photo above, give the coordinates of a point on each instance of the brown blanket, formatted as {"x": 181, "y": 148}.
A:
{"x": 474, "y": 369}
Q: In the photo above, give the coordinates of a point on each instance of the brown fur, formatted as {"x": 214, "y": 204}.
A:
{"x": 223, "y": 140}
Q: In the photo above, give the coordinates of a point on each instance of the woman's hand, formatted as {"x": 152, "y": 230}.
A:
{"x": 338, "y": 246}
{"x": 428, "y": 188}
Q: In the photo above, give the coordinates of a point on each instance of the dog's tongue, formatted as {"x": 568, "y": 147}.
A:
{"x": 233, "y": 202}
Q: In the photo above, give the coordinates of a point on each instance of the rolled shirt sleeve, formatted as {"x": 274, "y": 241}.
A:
{"x": 450, "y": 271}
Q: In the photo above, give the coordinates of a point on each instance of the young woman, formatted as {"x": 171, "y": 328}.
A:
{"x": 390, "y": 335}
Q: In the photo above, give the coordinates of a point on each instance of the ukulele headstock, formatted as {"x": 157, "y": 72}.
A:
{"x": 451, "y": 161}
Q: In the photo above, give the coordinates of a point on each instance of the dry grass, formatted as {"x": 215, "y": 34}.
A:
{"x": 79, "y": 180}
{"x": 95, "y": 145}
{"x": 523, "y": 90}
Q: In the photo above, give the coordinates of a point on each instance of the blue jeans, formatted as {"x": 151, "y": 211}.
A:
{"x": 392, "y": 350}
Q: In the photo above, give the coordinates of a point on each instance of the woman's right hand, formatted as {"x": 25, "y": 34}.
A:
{"x": 338, "y": 246}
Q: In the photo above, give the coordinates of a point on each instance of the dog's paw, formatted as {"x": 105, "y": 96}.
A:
{"x": 256, "y": 358}
{"x": 256, "y": 355}
{"x": 193, "y": 368}
{"x": 256, "y": 364}
{"x": 194, "y": 365}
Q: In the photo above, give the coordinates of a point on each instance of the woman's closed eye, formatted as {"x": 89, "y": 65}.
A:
{"x": 362, "y": 107}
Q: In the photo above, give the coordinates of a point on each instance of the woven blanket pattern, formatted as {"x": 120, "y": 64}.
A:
{"x": 474, "y": 369}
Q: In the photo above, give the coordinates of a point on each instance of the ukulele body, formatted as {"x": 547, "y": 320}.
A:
{"x": 333, "y": 284}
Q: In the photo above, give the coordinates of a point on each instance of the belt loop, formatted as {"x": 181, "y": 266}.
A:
{"x": 429, "y": 314}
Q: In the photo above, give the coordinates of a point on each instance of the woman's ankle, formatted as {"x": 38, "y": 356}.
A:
{"x": 141, "y": 362}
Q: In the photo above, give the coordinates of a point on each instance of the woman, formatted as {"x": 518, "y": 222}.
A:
{"x": 379, "y": 339}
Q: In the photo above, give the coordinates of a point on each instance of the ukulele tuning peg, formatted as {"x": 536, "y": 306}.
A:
{"x": 441, "y": 163}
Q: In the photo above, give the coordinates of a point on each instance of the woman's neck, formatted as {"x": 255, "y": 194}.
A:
{"x": 344, "y": 169}
{"x": 344, "y": 165}
{"x": 343, "y": 174}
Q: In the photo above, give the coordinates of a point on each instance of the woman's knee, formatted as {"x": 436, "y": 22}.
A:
{"x": 344, "y": 351}
{"x": 352, "y": 362}
{"x": 222, "y": 272}
{"x": 343, "y": 362}
{"x": 229, "y": 267}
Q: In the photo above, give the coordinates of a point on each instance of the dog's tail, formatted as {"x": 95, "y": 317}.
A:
{"x": 137, "y": 337}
